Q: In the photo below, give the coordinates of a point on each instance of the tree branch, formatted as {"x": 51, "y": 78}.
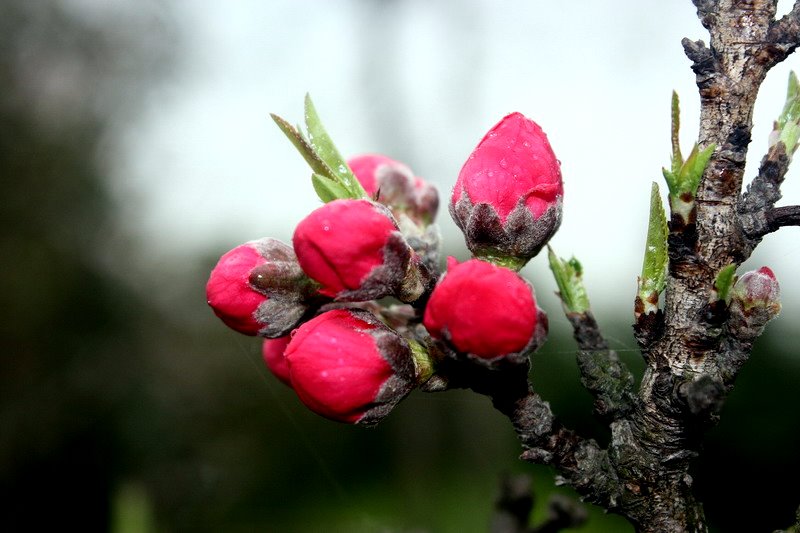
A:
{"x": 783, "y": 216}
{"x": 762, "y": 194}
{"x": 785, "y": 33}
{"x": 602, "y": 373}
{"x": 513, "y": 506}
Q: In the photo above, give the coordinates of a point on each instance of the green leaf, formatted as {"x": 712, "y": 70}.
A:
{"x": 672, "y": 182}
{"x": 684, "y": 177}
{"x": 724, "y": 281}
{"x": 568, "y": 276}
{"x": 677, "y": 158}
{"x": 693, "y": 168}
{"x": 299, "y": 141}
{"x": 787, "y": 126}
{"x": 791, "y": 109}
{"x": 328, "y": 189}
{"x": 654, "y": 266}
{"x": 323, "y": 146}
{"x": 332, "y": 178}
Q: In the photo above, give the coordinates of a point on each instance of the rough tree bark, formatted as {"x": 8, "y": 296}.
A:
{"x": 693, "y": 349}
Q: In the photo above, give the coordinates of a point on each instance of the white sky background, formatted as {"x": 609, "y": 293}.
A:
{"x": 422, "y": 81}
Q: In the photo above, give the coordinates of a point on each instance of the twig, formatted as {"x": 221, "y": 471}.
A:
{"x": 783, "y": 216}
{"x": 602, "y": 372}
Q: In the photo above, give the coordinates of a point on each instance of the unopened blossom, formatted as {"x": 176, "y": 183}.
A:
{"x": 484, "y": 310}
{"x": 356, "y": 251}
{"x": 258, "y": 288}
{"x": 755, "y": 300}
{"x": 272, "y": 351}
{"x": 507, "y": 199}
{"x": 348, "y": 366}
{"x": 394, "y": 184}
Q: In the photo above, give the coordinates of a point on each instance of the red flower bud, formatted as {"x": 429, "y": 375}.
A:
{"x": 755, "y": 300}
{"x": 356, "y": 251}
{"x": 348, "y": 366}
{"x": 758, "y": 288}
{"x": 393, "y": 184}
{"x": 507, "y": 199}
{"x": 258, "y": 288}
{"x": 272, "y": 352}
{"x": 485, "y": 310}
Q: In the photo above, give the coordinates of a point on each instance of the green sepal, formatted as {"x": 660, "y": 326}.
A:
{"x": 654, "y": 266}
{"x": 328, "y": 189}
{"x": 568, "y": 276}
{"x": 505, "y": 261}
{"x": 323, "y": 146}
{"x": 424, "y": 364}
{"x": 724, "y": 282}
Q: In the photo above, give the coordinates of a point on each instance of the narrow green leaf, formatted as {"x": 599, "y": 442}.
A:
{"x": 568, "y": 276}
{"x": 791, "y": 108}
{"x": 306, "y": 150}
{"x": 326, "y": 150}
{"x": 790, "y": 134}
{"x": 787, "y": 127}
{"x": 300, "y": 132}
{"x": 677, "y": 158}
{"x": 328, "y": 189}
{"x": 698, "y": 167}
{"x": 693, "y": 168}
{"x": 724, "y": 281}
{"x": 672, "y": 182}
{"x": 654, "y": 265}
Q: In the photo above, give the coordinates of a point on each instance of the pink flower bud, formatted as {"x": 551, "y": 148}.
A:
{"x": 258, "y": 288}
{"x": 348, "y": 366}
{"x": 272, "y": 352}
{"x": 393, "y": 184}
{"x": 758, "y": 288}
{"x": 507, "y": 199}
{"x": 356, "y": 251}
{"x": 485, "y": 310}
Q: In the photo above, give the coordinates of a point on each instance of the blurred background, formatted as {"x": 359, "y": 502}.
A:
{"x": 136, "y": 148}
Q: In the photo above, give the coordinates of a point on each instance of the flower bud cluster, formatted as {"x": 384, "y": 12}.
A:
{"x": 319, "y": 303}
{"x": 343, "y": 362}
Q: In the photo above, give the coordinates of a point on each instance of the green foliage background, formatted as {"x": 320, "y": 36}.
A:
{"x": 126, "y": 406}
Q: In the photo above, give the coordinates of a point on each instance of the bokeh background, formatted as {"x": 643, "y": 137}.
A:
{"x": 136, "y": 148}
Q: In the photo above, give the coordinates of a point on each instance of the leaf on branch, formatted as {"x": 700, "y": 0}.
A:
{"x": 327, "y": 189}
{"x": 568, "y": 275}
{"x": 683, "y": 177}
{"x": 654, "y": 266}
{"x": 296, "y": 137}
{"x": 326, "y": 150}
{"x": 677, "y": 158}
{"x": 724, "y": 282}
{"x": 332, "y": 178}
{"x": 787, "y": 128}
